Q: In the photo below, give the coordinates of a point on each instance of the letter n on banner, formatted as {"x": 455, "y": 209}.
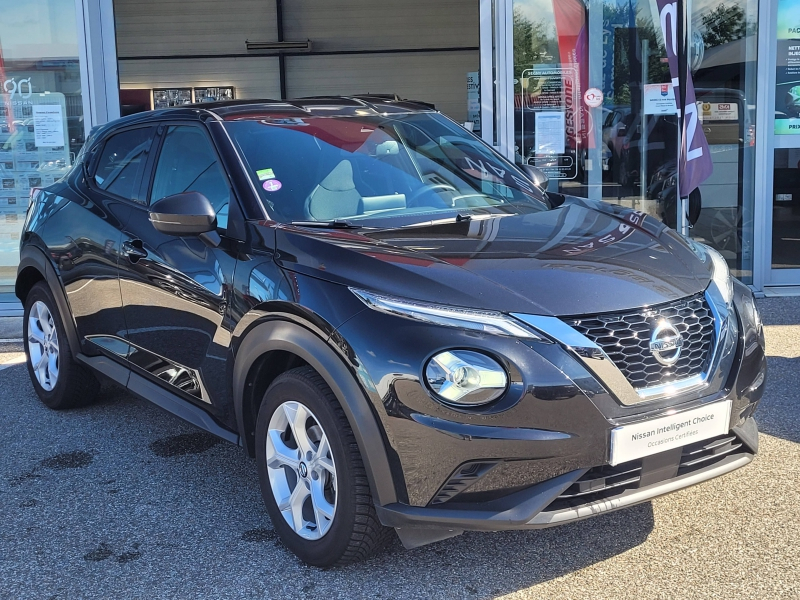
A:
{"x": 695, "y": 164}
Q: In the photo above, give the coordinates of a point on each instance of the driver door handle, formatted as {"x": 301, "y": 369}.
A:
{"x": 134, "y": 250}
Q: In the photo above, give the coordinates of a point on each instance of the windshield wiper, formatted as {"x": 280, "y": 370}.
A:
{"x": 334, "y": 224}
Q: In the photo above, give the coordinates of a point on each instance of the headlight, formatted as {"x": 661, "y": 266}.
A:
{"x": 485, "y": 321}
{"x": 721, "y": 275}
{"x": 465, "y": 378}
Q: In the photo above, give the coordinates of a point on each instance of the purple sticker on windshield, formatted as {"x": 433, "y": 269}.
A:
{"x": 272, "y": 185}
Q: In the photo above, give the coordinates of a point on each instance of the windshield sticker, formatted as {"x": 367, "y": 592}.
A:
{"x": 265, "y": 174}
{"x": 272, "y": 185}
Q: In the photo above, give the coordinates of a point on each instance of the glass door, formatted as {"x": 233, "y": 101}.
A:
{"x": 593, "y": 103}
{"x": 41, "y": 111}
{"x": 785, "y": 230}
{"x": 594, "y": 106}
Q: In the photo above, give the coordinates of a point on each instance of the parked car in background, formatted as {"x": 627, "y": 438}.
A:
{"x": 402, "y": 329}
{"x": 663, "y": 188}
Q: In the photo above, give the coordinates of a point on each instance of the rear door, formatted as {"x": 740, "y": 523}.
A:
{"x": 175, "y": 290}
{"x": 84, "y": 238}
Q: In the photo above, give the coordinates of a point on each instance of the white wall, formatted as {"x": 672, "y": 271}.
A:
{"x": 163, "y": 28}
{"x": 371, "y": 24}
{"x": 252, "y": 77}
{"x": 178, "y": 27}
{"x": 440, "y": 78}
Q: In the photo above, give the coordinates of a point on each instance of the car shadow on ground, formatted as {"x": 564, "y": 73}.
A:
{"x": 174, "y": 488}
{"x": 778, "y": 413}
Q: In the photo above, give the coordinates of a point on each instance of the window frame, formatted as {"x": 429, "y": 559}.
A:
{"x": 96, "y": 153}
{"x": 162, "y": 129}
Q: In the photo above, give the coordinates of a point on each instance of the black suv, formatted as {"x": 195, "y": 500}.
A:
{"x": 390, "y": 317}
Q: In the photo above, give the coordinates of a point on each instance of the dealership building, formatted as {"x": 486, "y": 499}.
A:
{"x": 580, "y": 88}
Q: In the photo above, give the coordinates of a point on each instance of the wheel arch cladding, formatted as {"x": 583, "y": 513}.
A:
{"x": 34, "y": 266}
{"x": 292, "y": 345}
{"x": 26, "y": 279}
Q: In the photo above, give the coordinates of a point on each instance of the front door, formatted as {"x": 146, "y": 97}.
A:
{"x": 175, "y": 289}
{"x": 87, "y": 263}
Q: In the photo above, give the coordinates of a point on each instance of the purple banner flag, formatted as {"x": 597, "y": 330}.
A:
{"x": 694, "y": 164}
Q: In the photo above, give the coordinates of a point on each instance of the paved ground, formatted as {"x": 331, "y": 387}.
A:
{"x": 121, "y": 500}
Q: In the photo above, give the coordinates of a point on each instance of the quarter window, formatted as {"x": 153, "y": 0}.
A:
{"x": 122, "y": 161}
{"x": 188, "y": 163}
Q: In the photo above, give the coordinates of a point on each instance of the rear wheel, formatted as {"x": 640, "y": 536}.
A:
{"x": 58, "y": 379}
{"x": 311, "y": 473}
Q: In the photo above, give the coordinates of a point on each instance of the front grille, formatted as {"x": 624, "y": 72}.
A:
{"x": 463, "y": 477}
{"x": 701, "y": 454}
{"x": 625, "y": 338}
{"x": 599, "y": 483}
{"x": 606, "y": 482}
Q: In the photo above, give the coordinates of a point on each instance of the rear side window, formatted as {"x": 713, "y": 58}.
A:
{"x": 188, "y": 163}
{"x": 122, "y": 161}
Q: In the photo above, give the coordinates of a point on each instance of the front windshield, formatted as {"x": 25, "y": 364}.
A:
{"x": 381, "y": 171}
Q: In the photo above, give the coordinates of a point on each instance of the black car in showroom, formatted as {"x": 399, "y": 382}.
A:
{"x": 402, "y": 329}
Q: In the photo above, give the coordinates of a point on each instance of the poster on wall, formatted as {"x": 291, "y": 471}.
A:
{"x": 787, "y": 76}
{"x": 659, "y": 99}
{"x": 48, "y": 125}
{"x": 168, "y": 97}
{"x": 550, "y": 126}
{"x": 474, "y": 100}
{"x": 213, "y": 94}
{"x": 545, "y": 115}
{"x": 34, "y": 153}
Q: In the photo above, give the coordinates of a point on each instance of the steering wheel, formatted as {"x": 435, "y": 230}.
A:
{"x": 429, "y": 188}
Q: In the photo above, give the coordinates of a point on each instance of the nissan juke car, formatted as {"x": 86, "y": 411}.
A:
{"x": 403, "y": 329}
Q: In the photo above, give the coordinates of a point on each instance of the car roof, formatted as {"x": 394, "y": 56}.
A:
{"x": 334, "y": 106}
{"x": 327, "y": 106}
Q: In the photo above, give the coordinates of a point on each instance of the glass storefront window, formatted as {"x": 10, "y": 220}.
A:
{"x": 41, "y": 110}
{"x": 786, "y": 209}
{"x": 725, "y": 79}
{"x": 594, "y": 107}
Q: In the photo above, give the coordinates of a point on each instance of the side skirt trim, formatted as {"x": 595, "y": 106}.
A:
{"x": 147, "y": 390}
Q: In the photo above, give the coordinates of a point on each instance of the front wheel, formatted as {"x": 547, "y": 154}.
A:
{"x": 312, "y": 477}
{"x": 59, "y": 381}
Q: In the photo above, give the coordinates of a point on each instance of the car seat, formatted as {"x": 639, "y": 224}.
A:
{"x": 335, "y": 196}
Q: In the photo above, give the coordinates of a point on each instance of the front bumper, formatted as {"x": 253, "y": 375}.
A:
{"x": 547, "y": 504}
{"x": 505, "y": 465}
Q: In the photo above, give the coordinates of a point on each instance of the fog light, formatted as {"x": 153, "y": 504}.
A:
{"x": 465, "y": 378}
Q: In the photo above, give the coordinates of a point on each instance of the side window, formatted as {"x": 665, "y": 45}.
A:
{"x": 188, "y": 163}
{"x": 122, "y": 161}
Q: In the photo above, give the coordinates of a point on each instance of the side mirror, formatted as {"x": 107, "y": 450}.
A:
{"x": 189, "y": 213}
{"x": 537, "y": 176}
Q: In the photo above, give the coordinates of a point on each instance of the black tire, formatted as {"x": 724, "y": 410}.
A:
{"x": 355, "y": 532}
{"x": 75, "y": 385}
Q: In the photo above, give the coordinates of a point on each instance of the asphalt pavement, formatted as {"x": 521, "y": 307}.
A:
{"x": 122, "y": 500}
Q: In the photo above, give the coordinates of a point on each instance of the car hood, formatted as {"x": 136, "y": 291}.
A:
{"x": 583, "y": 257}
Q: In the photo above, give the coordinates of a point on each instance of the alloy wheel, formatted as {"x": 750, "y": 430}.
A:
{"x": 302, "y": 471}
{"x": 43, "y": 345}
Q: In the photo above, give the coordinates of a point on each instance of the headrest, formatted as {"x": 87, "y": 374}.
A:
{"x": 340, "y": 179}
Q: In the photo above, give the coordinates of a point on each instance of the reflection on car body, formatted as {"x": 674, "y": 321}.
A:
{"x": 404, "y": 330}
